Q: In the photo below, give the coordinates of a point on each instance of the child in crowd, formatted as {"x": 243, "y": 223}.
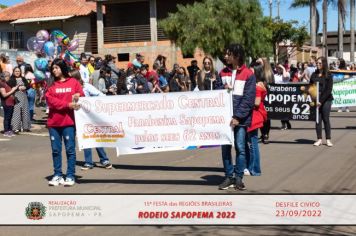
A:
{"x": 62, "y": 97}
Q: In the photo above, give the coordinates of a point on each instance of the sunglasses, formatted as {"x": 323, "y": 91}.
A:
{"x": 207, "y": 63}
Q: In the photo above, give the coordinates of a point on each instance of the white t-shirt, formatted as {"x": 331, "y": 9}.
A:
{"x": 84, "y": 73}
{"x": 229, "y": 80}
{"x": 279, "y": 79}
{"x": 233, "y": 78}
{"x": 310, "y": 70}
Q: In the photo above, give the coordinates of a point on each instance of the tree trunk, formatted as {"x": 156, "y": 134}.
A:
{"x": 341, "y": 33}
{"x": 276, "y": 52}
{"x": 325, "y": 28}
{"x": 313, "y": 22}
{"x": 352, "y": 30}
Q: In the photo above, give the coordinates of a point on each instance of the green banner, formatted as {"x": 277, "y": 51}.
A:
{"x": 344, "y": 88}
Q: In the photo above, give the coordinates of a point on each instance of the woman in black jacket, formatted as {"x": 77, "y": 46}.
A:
{"x": 325, "y": 80}
{"x": 21, "y": 115}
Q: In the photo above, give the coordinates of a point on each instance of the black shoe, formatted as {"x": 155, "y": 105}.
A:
{"x": 87, "y": 167}
{"x": 264, "y": 139}
{"x": 229, "y": 182}
{"x": 239, "y": 185}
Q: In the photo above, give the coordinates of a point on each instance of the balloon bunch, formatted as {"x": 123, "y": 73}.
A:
{"x": 56, "y": 44}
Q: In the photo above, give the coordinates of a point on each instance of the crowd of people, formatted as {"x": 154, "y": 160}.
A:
{"x": 98, "y": 76}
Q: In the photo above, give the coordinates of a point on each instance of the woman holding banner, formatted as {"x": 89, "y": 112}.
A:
{"x": 90, "y": 91}
{"x": 208, "y": 78}
{"x": 325, "y": 80}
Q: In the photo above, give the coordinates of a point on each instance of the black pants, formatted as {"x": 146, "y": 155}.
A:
{"x": 286, "y": 123}
{"x": 8, "y": 111}
{"x": 324, "y": 115}
{"x": 266, "y": 128}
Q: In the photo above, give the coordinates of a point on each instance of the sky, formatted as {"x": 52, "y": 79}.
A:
{"x": 302, "y": 14}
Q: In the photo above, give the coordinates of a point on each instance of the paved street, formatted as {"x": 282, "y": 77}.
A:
{"x": 290, "y": 164}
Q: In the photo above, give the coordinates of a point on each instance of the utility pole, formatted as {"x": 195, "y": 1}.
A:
{"x": 270, "y": 8}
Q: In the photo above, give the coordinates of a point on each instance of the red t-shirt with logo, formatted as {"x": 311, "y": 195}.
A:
{"x": 58, "y": 97}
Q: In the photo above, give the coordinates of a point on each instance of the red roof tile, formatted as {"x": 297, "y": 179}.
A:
{"x": 46, "y": 8}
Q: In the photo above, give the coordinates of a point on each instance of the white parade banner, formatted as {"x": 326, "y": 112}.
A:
{"x": 178, "y": 209}
{"x": 155, "y": 120}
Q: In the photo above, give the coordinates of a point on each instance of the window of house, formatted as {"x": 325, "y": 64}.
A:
{"x": 12, "y": 40}
{"x": 123, "y": 57}
{"x": 188, "y": 55}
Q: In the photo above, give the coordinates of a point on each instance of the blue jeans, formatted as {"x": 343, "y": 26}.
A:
{"x": 89, "y": 157}
{"x": 253, "y": 153}
{"x": 240, "y": 146}
{"x": 227, "y": 160}
{"x": 31, "y": 96}
{"x": 68, "y": 136}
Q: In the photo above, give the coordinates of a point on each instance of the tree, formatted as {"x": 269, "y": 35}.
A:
{"x": 352, "y": 30}
{"x": 2, "y": 6}
{"x": 314, "y": 16}
{"x": 286, "y": 32}
{"x": 212, "y": 25}
{"x": 341, "y": 7}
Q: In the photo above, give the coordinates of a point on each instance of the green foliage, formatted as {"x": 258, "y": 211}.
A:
{"x": 282, "y": 32}
{"x": 2, "y": 6}
{"x": 300, "y": 3}
{"x": 213, "y": 24}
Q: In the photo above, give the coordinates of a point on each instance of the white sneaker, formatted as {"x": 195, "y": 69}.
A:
{"x": 56, "y": 180}
{"x": 340, "y": 110}
{"x": 318, "y": 143}
{"x": 69, "y": 182}
{"x": 329, "y": 143}
{"x": 347, "y": 110}
{"x": 247, "y": 172}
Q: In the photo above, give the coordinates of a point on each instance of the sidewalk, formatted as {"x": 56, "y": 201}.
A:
{"x": 38, "y": 126}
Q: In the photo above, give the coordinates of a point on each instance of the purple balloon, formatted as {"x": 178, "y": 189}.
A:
{"x": 35, "y": 45}
{"x": 39, "y": 46}
{"x": 32, "y": 44}
{"x": 42, "y": 35}
{"x": 73, "y": 45}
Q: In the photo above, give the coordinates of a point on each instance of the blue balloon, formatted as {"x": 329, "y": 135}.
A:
{"x": 49, "y": 48}
{"x": 59, "y": 50}
{"x": 39, "y": 76}
{"x": 41, "y": 64}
